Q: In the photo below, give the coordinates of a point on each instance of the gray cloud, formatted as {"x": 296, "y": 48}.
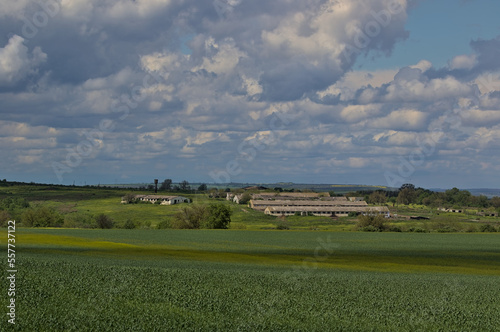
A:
{"x": 186, "y": 87}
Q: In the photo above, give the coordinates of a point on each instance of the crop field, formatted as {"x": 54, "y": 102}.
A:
{"x": 171, "y": 280}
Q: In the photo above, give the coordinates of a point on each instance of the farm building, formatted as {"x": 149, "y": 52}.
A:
{"x": 339, "y": 211}
{"x": 289, "y": 196}
{"x": 261, "y": 204}
{"x": 165, "y": 200}
{"x": 451, "y": 210}
{"x": 487, "y": 214}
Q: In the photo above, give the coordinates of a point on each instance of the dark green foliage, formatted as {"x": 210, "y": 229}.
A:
{"x": 129, "y": 224}
{"x": 407, "y": 196}
{"x": 487, "y": 228}
{"x": 202, "y": 187}
{"x": 370, "y": 223}
{"x": 417, "y": 230}
{"x": 11, "y": 204}
{"x": 164, "y": 224}
{"x": 79, "y": 220}
{"x": 129, "y": 198}
{"x": 41, "y": 217}
{"x": 282, "y": 226}
{"x": 377, "y": 197}
{"x": 184, "y": 186}
{"x": 166, "y": 185}
{"x": 245, "y": 198}
{"x": 103, "y": 221}
{"x": 219, "y": 216}
{"x": 4, "y": 218}
{"x": 189, "y": 217}
{"x": 394, "y": 229}
{"x": 370, "y": 228}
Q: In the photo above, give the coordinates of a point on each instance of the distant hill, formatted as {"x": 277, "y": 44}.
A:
{"x": 337, "y": 188}
{"x": 488, "y": 192}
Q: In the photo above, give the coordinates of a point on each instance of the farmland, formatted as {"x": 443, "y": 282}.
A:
{"x": 318, "y": 275}
{"x": 84, "y": 280}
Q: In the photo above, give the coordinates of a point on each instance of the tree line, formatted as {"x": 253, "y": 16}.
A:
{"x": 408, "y": 194}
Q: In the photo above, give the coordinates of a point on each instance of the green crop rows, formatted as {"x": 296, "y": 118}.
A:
{"x": 168, "y": 280}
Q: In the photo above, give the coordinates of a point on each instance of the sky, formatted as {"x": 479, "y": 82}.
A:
{"x": 378, "y": 92}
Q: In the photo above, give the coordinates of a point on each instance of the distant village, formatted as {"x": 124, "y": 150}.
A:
{"x": 284, "y": 204}
{"x": 307, "y": 203}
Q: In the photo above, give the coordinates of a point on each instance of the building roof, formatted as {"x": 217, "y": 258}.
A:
{"x": 305, "y": 203}
{"x": 327, "y": 209}
{"x": 157, "y": 197}
{"x": 294, "y": 195}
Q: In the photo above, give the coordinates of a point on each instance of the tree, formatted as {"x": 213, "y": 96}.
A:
{"x": 202, "y": 187}
{"x": 219, "y": 216}
{"x": 377, "y": 197}
{"x": 407, "y": 185}
{"x": 406, "y": 196}
{"x": 166, "y": 185}
{"x": 4, "y": 218}
{"x": 189, "y": 217}
{"x": 103, "y": 221}
{"x": 129, "y": 198}
{"x": 245, "y": 198}
{"x": 495, "y": 201}
{"x": 184, "y": 186}
{"x": 42, "y": 217}
{"x": 374, "y": 223}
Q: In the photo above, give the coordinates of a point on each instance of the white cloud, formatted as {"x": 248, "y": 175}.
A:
{"x": 225, "y": 58}
{"x": 463, "y": 62}
{"x": 16, "y": 62}
{"x": 355, "y": 113}
{"x": 401, "y": 119}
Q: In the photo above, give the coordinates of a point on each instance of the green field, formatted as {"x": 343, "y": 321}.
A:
{"x": 171, "y": 280}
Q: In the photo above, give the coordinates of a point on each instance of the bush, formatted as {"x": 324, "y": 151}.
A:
{"x": 189, "y": 217}
{"x": 282, "y": 225}
{"x": 79, "y": 220}
{"x": 417, "y": 230}
{"x": 215, "y": 216}
{"x": 41, "y": 217}
{"x": 245, "y": 198}
{"x": 487, "y": 228}
{"x": 144, "y": 224}
{"x": 367, "y": 222}
{"x": 447, "y": 229}
{"x": 104, "y": 222}
{"x": 471, "y": 229}
{"x": 164, "y": 224}
{"x": 394, "y": 229}
{"x": 4, "y": 218}
{"x": 129, "y": 224}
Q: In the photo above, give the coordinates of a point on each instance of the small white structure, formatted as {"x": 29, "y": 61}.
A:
{"x": 165, "y": 200}
{"x": 451, "y": 210}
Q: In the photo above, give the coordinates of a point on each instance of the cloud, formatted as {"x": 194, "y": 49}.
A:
{"x": 463, "y": 62}
{"x": 17, "y": 63}
{"x": 186, "y": 86}
{"x": 401, "y": 120}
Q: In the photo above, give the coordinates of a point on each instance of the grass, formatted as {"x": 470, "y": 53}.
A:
{"x": 453, "y": 253}
{"x": 227, "y": 280}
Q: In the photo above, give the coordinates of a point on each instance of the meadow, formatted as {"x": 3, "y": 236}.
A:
{"x": 230, "y": 280}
